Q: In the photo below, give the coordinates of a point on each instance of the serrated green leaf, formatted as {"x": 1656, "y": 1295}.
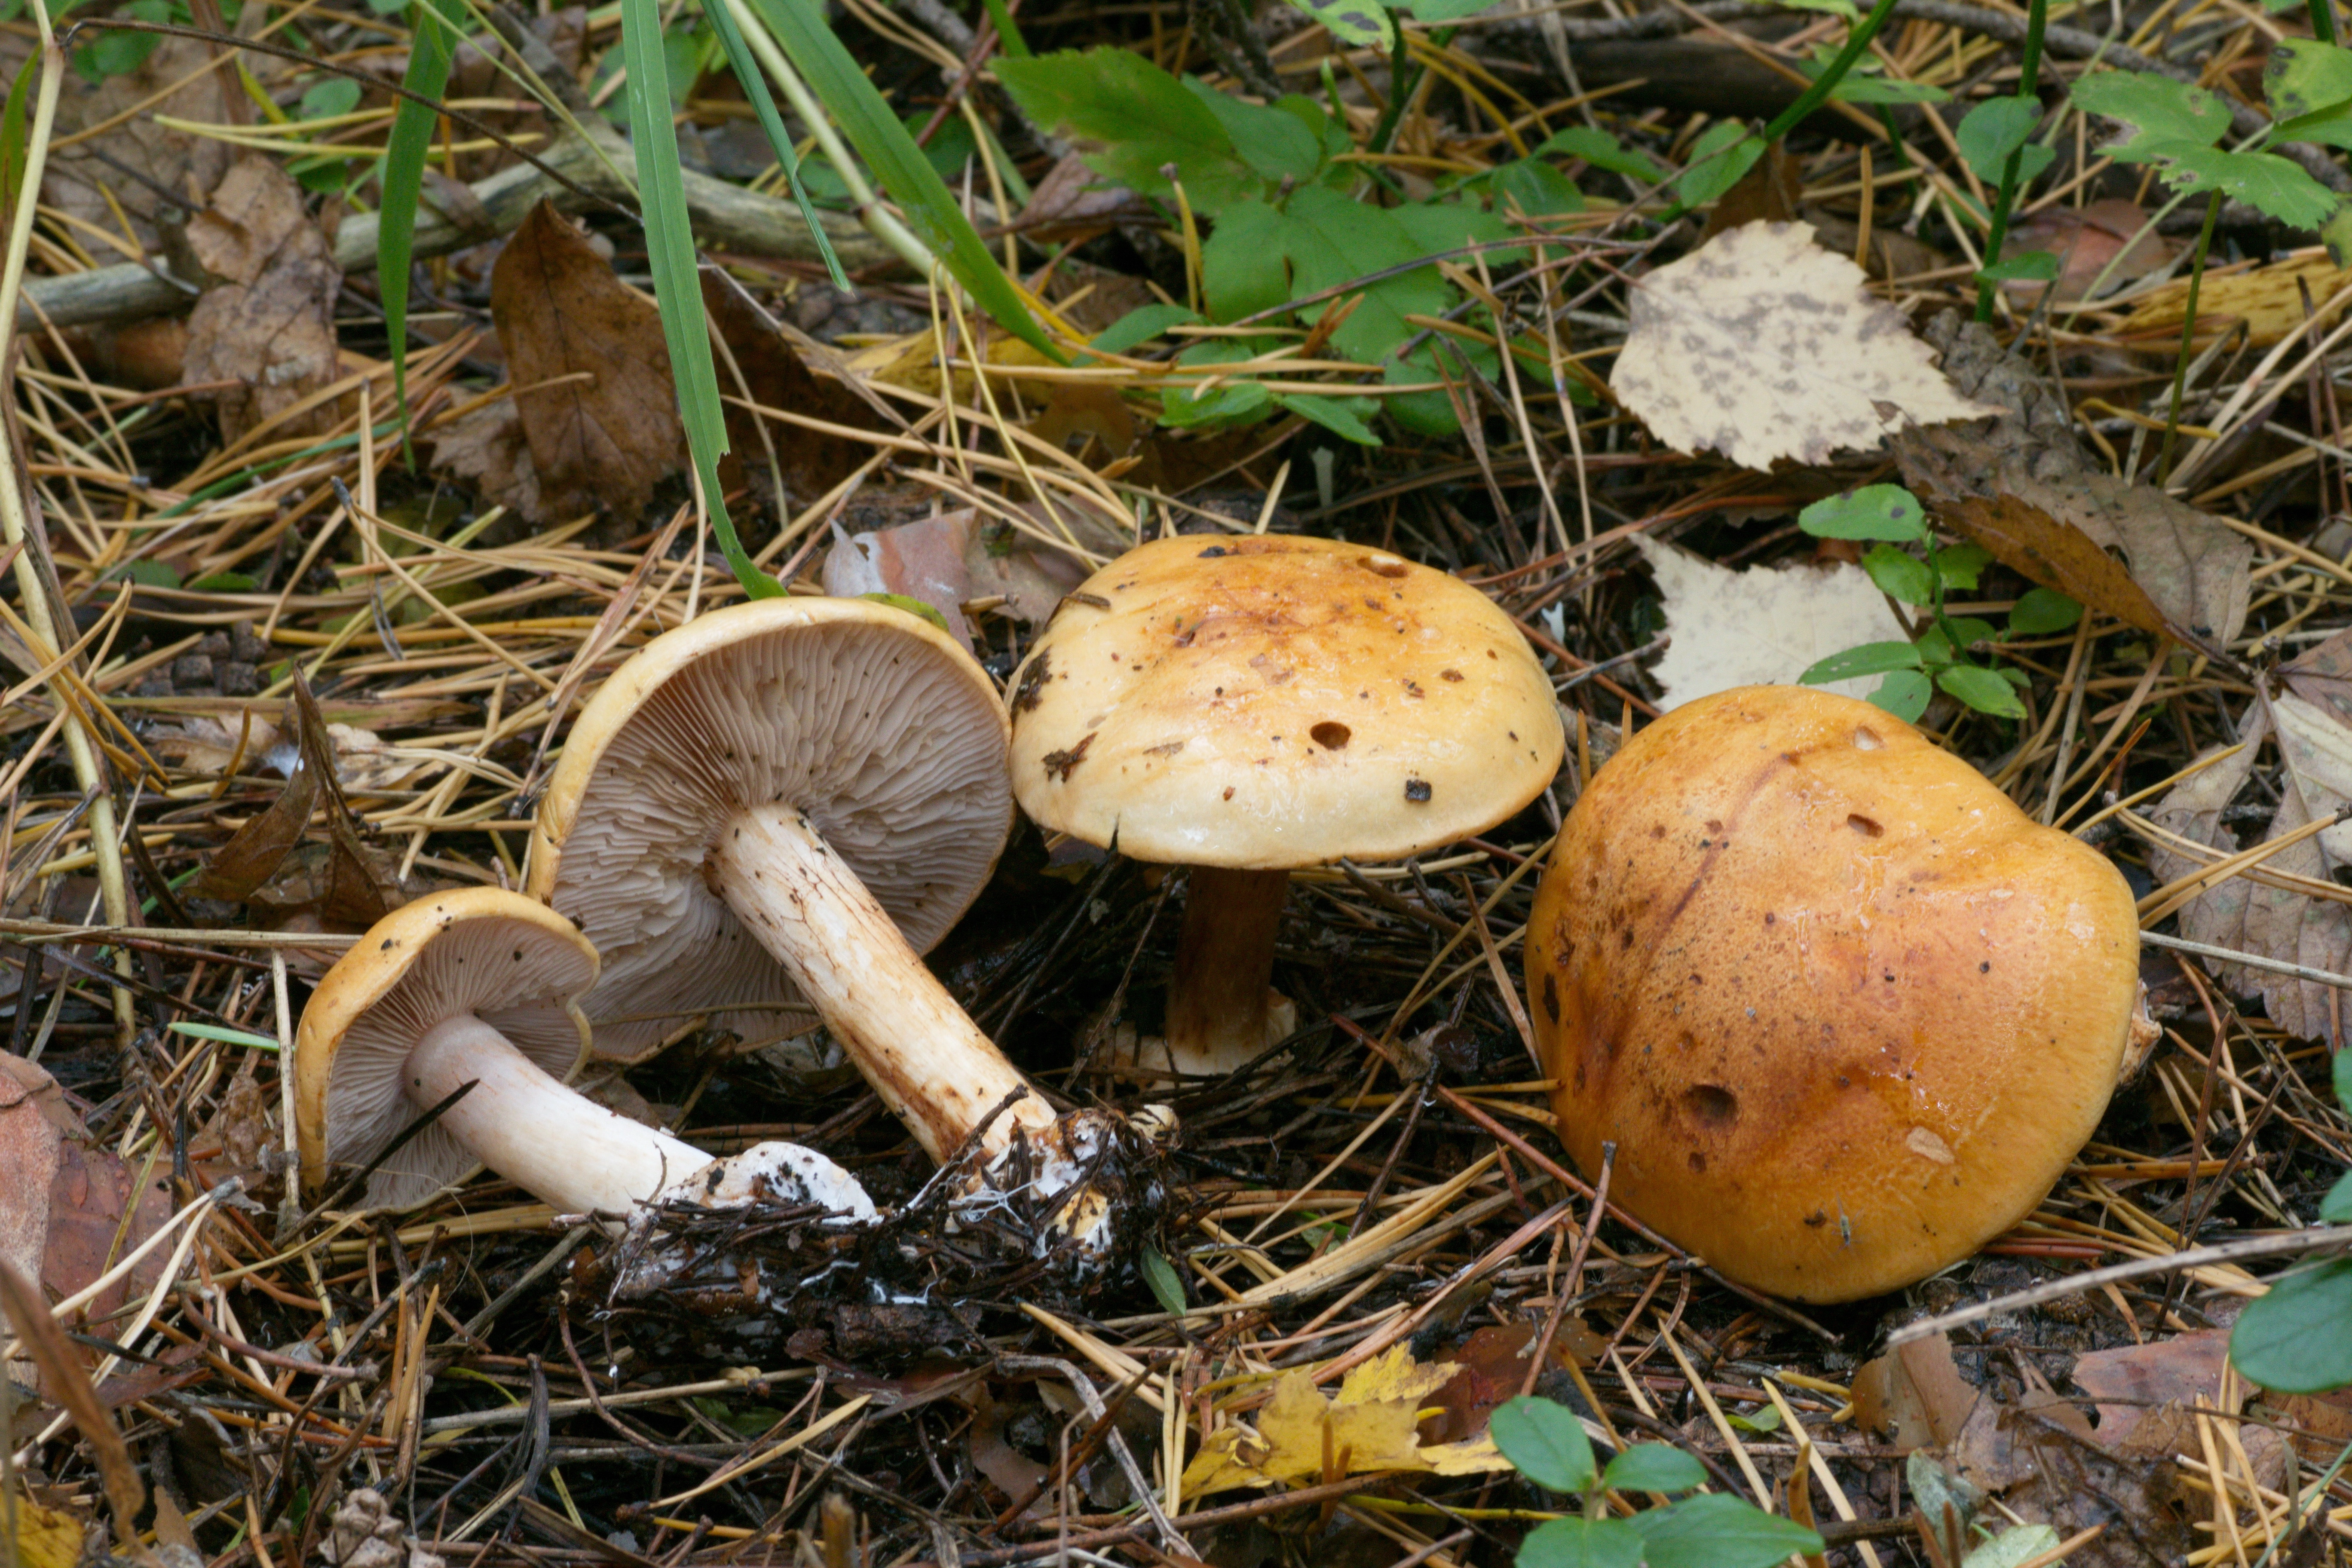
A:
{"x": 1712, "y": 1531}
{"x": 1875, "y": 511}
{"x": 1244, "y": 269}
{"x": 2041, "y": 611}
{"x": 2298, "y": 1338}
{"x": 1654, "y": 1467}
{"x": 1602, "y": 151}
{"x": 1333, "y": 242}
{"x": 1994, "y": 128}
{"x": 1904, "y": 693}
{"x": 1545, "y": 1442}
{"x": 2303, "y": 76}
{"x": 1143, "y": 118}
{"x": 1863, "y": 658}
{"x": 1142, "y": 325}
{"x": 931, "y": 210}
{"x": 2273, "y": 185}
{"x": 1983, "y": 689}
{"x": 2159, "y": 109}
{"x": 1272, "y": 140}
{"x": 1356, "y": 22}
{"x": 1583, "y": 1543}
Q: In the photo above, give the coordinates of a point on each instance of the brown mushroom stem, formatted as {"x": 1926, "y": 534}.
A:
{"x": 1221, "y": 1002}
{"x": 548, "y": 1140}
{"x": 930, "y": 1064}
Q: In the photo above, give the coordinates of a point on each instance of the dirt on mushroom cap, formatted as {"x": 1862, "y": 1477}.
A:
{"x": 1269, "y": 701}
{"x": 1846, "y": 1012}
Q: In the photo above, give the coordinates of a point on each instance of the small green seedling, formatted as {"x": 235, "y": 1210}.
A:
{"x": 1547, "y": 1445}
{"x": 1941, "y": 657}
{"x": 2298, "y": 1338}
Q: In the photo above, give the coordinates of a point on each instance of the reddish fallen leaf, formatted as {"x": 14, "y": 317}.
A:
{"x": 2103, "y": 240}
{"x": 1493, "y": 1363}
{"x": 2132, "y": 1381}
{"x": 922, "y": 559}
{"x": 270, "y": 324}
{"x": 590, "y": 369}
{"x": 34, "y": 1122}
{"x": 1914, "y": 1394}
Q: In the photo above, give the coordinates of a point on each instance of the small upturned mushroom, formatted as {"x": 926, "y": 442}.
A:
{"x": 481, "y": 986}
{"x": 1844, "y": 1009}
{"x": 1251, "y": 705}
{"x": 784, "y": 801}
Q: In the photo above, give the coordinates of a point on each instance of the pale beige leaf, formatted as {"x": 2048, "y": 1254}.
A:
{"x": 1761, "y": 626}
{"x": 1762, "y": 346}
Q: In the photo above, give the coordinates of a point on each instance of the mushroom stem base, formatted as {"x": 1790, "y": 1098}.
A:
{"x": 1221, "y": 1001}
{"x": 548, "y": 1140}
{"x": 929, "y": 1063}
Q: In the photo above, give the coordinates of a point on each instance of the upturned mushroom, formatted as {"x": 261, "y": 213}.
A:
{"x": 480, "y": 987}
{"x": 782, "y": 802}
{"x": 1252, "y": 705}
{"x": 1844, "y": 1011}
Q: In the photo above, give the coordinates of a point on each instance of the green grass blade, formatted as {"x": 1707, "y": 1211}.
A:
{"x": 931, "y": 209}
{"x": 670, "y": 249}
{"x": 1010, "y": 35}
{"x": 755, "y": 87}
{"x": 433, "y": 41}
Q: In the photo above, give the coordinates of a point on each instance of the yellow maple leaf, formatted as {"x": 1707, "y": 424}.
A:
{"x": 45, "y": 1537}
{"x": 1370, "y": 1425}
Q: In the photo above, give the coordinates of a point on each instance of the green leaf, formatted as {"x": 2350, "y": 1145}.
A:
{"x": 1983, "y": 689}
{"x": 1272, "y": 140}
{"x": 1654, "y": 1467}
{"x": 1333, "y": 242}
{"x": 1142, "y": 325}
{"x": 1712, "y": 1531}
{"x": 906, "y": 604}
{"x": 433, "y": 38}
{"x": 2041, "y": 611}
{"x": 1015, "y": 45}
{"x": 1723, "y": 153}
{"x": 1344, "y": 417}
{"x": 146, "y": 573}
{"x": 1904, "y": 693}
{"x": 1602, "y": 151}
{"x": 113, "y": 53}
{"x": 2336, "y": 1208}
{"x": 2160, "y": 109}
{"x": 1962, "y": 565}
{"x": 1144, "y": 120}
{"x": 325, "y": 100}
{"x": 2298, "y": 1338}
{"x": 2303, "y": 76}
{"x": 1994, "y": 128}
{"x": 15, "y": 135}
{"x": 2026, "y": 267}
{"x": 1967, "y": 631}
{"x": 1874, "y": 89}
{"x": 931, "y": 210}
{"x": 1583, "y": 1543}
{"x": 1167, "y": 1285}
{"x": 223, "y": 582}
{"x": 1545, "y": 1442}
{"x": 226, "y": 1037}
{"x": 1875, "y": 511}
{"x": 1764, "y": 1418}
{"x": 2265, "y": 181}
{"x": 1228, "y": 402}
{"x": 1863, "y": 658}
{"x": 1900, "y": 575}
{"x": 678, "y": 287}
{"x": 1354, "y": 22}
{"x": 1431, "y": 412}
{"x": 1243, "y": 266}
{"x": 1444, "y": 10}
{"x": 2342, "y": 1069}
{"x": 2011, "y": 1547}
{"x": 1535, "y": 188}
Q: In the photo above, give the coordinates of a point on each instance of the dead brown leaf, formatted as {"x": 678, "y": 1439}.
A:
{"x": 2132, "y": 1381}
{"x": 269, "y": 323}
{"x": 812, "y": 461}
{"x": 82, "y": 176}
{"x": 591, "y": 370}
{"x": 922, "y": 559}
{"x": 1768, "y": 193}
{"x": 92, "y": 1191}
{"x": 34, "y": 1122}
{"x": 486, "y": 449}
{"x": 2104, "y": 239}
{"x": 2035, "y": 545}
{"x": 1914, "y": 1394}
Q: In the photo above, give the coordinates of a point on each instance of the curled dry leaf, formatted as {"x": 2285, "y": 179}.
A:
{"x": 269, "y": 323}
{"x": 1765, "y": 626}
{"x": 2037, "y": 546}
{"x": 1762, "y": 346}
{"x": 590, "y": 368}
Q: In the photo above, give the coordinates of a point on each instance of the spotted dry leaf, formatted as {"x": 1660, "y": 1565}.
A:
{"x": 1760, "y": 345}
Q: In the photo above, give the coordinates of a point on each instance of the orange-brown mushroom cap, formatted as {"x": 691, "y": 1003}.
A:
{"x": 1844, "y": 1010}
{"x": 1269, "y": 701}
{"x": 508, "y": 960}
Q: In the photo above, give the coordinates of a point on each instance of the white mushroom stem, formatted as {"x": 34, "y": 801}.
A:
{"x": 1221, "y": 1001}
{"x": 929, "y": 1063}
{"x": 553, "y": 1141}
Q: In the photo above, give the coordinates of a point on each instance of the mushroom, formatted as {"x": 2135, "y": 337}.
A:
{"x": 1844, "y": 1011}
{"x": 781, "y": 803}
{"x": 480, "y": 987}
{"x": 1248, "y": 706}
